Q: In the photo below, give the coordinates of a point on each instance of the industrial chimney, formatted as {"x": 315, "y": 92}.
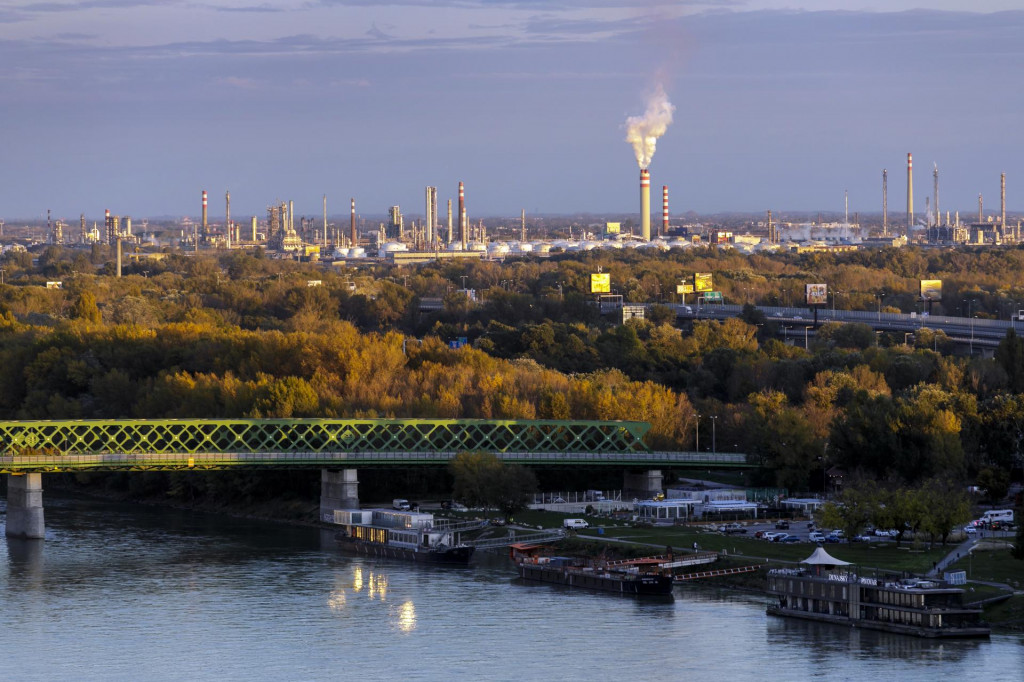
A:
{"x": 1002, "y": 203}
{"x": 910, "y": 192}
{"x": 204, "y": 212}
{"x": 352, "y": 236}
{"x": 227, "y": 218}
{"x": 462, "y": 215}
{"x": 664, "y": 210}
{"x": 645, "y": 204}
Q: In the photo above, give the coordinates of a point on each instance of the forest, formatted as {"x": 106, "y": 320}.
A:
{"x": 238, "y": 333}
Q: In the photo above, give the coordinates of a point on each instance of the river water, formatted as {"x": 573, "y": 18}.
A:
{"x": 126, "y": 592}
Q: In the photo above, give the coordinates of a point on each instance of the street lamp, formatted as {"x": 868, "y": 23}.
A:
{"x": 697, "y": 433}
{"x": 714, "y": 445}
{"x": 880, "y": 296}
{"x": 972, "y": 335}
{"x": 806, "y": 346}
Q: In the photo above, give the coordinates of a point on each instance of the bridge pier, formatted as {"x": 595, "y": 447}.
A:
{"x": 338, "y": 490}
{"x": 644, "y": 485}
{"x": 25, "y": 506}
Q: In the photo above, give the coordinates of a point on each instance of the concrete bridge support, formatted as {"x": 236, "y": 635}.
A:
{"x": 25, "y": 506}
{"x": 643, "y": 485}
{"x": 338, "y": 490}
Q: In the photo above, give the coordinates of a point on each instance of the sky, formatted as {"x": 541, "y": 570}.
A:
{"x": 138, "y": 105}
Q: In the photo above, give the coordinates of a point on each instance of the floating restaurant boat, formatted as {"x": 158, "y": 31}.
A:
{"x": 825, "y": 590}
{"x": 589, "y": 575}
{"x": 409, "y": 536}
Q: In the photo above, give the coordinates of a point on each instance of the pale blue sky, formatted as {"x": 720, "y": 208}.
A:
{"x": 137, "y": 105}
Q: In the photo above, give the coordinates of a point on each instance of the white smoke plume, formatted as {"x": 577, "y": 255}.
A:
{"x": 643, "y": 131}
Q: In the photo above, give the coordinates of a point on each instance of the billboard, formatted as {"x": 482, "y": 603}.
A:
{"x": 931, "y": 289}
{"x": 600, "y": 283}
{"x": 816, "y": 294}
{"x": 612, "y": 228}
{"x": 702, "y": 281}
{"x": 684, "y": 289}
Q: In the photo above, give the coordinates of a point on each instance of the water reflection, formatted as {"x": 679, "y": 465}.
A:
{"x": 25, "y": 561}
{"x": 406, "y": 617}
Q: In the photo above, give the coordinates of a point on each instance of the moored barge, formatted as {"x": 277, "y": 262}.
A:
{"x": 409, "y": 536}
{"x": 828, "y": 592}
{"x": 578, "y": 573}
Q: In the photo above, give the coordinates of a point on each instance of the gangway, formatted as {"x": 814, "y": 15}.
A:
{"x": 716, "y": 573}
{"x": 459, "y": 525}
{"x": 514, "y": 538}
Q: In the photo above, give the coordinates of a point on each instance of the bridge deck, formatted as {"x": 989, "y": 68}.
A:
{"x": 139, "y": 444}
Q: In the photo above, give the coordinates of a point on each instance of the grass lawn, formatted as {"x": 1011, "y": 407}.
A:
{"x": 996, "y": 565}
{"x": 874, "y": 555}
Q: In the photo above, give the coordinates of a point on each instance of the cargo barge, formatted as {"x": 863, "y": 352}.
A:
{"x": 909, "y": 606}
{"x": 408, "y": 536}
{"x": 588, "y": 575}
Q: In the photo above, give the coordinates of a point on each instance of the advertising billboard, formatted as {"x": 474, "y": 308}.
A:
{"x": 684, "y": 289}
{"x": 702, "y": 281}
{"x": 816, "y": 294}
{"x": 600, "y": 283}
{"x": 931, "y": 289}
{"x": 612, "y": 228}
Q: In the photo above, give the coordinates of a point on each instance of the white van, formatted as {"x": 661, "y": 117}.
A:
{"x": 1000, "y": 515}
{"x": 400, "y": 504}
{"x": 575, "y": 523}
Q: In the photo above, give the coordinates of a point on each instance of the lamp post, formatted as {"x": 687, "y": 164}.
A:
{"x": 697, "y": 434}
{"x": 972, "y": 335}
{"x": 880, "y": 296}
{"x": 714, "y": 445}
{"x": 806, "y": 345}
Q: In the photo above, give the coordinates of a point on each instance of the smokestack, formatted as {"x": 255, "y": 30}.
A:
{"x": 885, "y": 203}
{"x": 204, "y": 212}
{"x": 645, "y": 204}
{"x": 253, "y": 226}
{"x": 227, "y": 217}
{"x": 981, "y": 209}
{"x": 462, "y": 215}
{"x": 291, "y": 215}
{"x": 325, "y": 222}
{"x": 118, "y": 256}
{"x": 1002, "y": 203}
{"x": 664, "y": 210}
{"x": 451, "y": 230}
{"x": 352, "y": 238}
{"x": 935, "y": 201}
{"x": 910, "y": 192}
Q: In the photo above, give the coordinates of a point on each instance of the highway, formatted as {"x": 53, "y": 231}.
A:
{"x": 984, "y": 333}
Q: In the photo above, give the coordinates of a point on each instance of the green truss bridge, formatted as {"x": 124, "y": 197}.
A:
{"x": 338, "y": 447}
{"x": 176, "y": 444}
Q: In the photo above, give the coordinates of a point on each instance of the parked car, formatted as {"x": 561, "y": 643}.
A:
{"x": 861, "y": 538}
{"x": 879, "y": 533}
{"x": 731, "y": 528}
{"x": 770, "y": 537}
{"x": 815, "y": 536}
{"x": 790, "y": 538}
{"x": 833, "y": 538}
{"x": 970, "y": 530}
{"x": 782, "y": 525}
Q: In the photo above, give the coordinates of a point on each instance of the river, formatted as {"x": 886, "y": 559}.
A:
{"x": 128, "y": 592}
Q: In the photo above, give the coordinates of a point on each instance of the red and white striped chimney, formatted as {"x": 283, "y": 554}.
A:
{"x": 664, "y": 210}
{"x": 204, "y": 210}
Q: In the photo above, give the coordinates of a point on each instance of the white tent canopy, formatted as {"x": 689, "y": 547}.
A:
{"x": 823, "y": 558}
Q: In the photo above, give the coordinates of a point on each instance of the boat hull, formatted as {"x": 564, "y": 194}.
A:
{"x": 452, "y": 556}
{"x": 916, "y": 631}
{"x": 640, "y": 585}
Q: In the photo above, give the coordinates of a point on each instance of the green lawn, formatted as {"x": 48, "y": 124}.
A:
{"x": 997, "y": 566}
{"x": 869, "y": 555}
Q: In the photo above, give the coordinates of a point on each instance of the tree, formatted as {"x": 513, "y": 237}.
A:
{"x": 85, "y": 308}
{"x": 1010, "y": 356}
{"x": 483, "y": 480}
{"x": 946, "y": 507}
{"x": 995, "y": 483}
